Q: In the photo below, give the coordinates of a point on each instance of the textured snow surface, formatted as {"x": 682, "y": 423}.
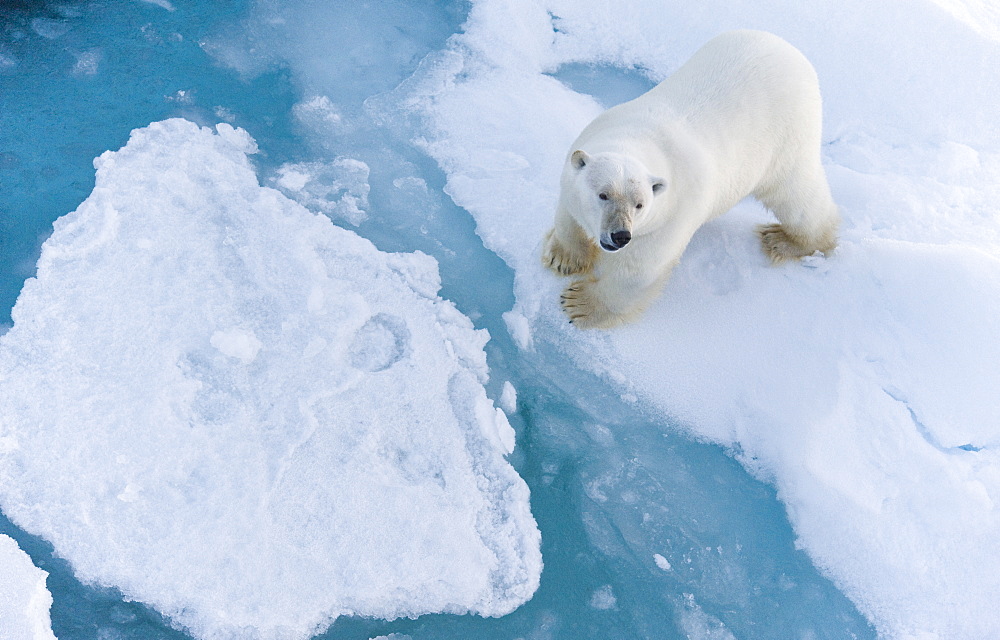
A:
{"x": 248, "y": 418}
{"x": 24, "y": 598}
{"x": 864, "y": 386}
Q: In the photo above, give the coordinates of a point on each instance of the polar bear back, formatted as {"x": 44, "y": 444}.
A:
{"x": 748, "y": 101}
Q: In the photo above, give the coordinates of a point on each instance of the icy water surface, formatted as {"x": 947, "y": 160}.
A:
{"x": 645, "y": 533}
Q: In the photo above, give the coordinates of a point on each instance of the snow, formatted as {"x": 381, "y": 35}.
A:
{"x": 863, "y": 386}
{"x": 248, "y": 418}
{"x": 24, "y": 598}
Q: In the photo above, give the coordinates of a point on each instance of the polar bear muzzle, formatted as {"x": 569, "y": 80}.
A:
{"x": 616, "y": 240}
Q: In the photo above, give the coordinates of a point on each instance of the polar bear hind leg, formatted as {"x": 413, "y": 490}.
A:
{"x": 808, "y": 218}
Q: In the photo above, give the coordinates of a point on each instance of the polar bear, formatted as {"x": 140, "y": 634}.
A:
{"x": 742, "y": 117}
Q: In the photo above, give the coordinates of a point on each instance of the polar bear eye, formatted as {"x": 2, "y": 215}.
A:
{"x": 638, "y": 206}
{"x": 602, "y": 196}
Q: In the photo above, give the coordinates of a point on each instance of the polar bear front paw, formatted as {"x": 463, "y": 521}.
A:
{"x": 583, "y": 308}
{"x": 567, "y": 261}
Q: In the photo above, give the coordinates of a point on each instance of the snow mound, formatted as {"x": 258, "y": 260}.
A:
{"x": 24, "y": 599}
{"x": 863, "y": 385}
{"x": 248, "y": 418}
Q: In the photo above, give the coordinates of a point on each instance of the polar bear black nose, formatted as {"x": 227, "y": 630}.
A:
{"x": 621, "y": 238}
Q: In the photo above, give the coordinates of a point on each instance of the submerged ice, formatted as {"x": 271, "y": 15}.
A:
{"x": 248, "y": 418}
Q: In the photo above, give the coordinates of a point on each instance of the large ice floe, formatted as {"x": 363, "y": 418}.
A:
{"x": 248, "y": 418}
{"x": 24, "y": 598}
{"x": 863, "y": 385}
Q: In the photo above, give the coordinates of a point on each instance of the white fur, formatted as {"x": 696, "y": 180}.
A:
{"x": 741, "y": 117}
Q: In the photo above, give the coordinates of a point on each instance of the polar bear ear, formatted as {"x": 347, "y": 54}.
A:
{"x": 579, "y": 159}
{"x": 659, "y": 184}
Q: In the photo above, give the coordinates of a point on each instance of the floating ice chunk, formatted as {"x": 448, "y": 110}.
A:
{"x": 254, "y": 421}
{"x": 508, "y": 398}
{"x": 24, "y": 599}
{"x": 339, "y": 188}
{"x": 661, "y": 562}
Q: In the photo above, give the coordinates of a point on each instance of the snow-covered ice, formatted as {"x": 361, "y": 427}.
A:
{"x": 24, "y": 598}
{"x": 248, "y": 418}
{"x": 864, "y": 385}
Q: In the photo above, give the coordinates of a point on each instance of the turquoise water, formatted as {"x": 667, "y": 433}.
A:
{"x": 75, "y": 78}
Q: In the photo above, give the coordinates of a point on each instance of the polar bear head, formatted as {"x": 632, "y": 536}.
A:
{"x": 616, "y": 193}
